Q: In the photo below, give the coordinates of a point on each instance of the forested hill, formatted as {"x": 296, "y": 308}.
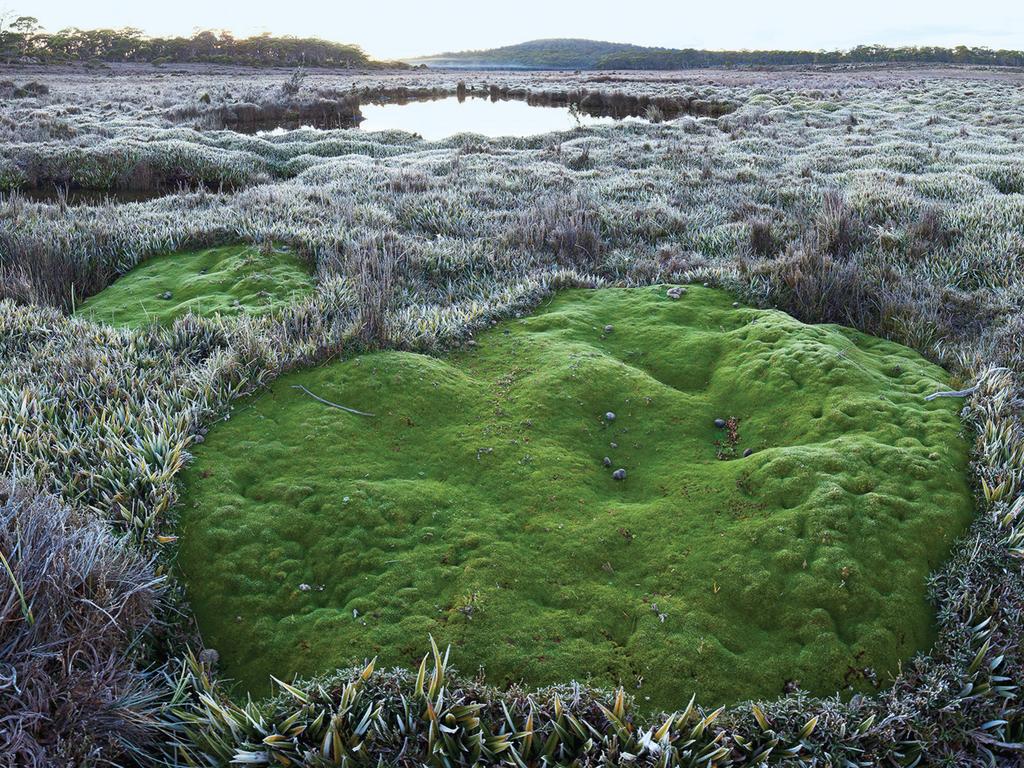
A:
{"x": 22, "y": 39}
{"x": 592, "y": 54}
{"x": 536, "y": 54}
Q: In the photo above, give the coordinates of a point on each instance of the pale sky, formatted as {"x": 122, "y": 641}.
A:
{"x": 406, "y": 28}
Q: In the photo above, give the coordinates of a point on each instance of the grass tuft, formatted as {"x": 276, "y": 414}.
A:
{"x": 73, "y": 605}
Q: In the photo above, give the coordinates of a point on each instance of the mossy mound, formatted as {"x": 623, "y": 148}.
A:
{"x": 475, "y": 505}
{"x": 228, "y": 281}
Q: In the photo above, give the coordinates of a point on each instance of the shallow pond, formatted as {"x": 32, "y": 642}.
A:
{"x": 441, "y": 118}
{"x": 446, "y": 117}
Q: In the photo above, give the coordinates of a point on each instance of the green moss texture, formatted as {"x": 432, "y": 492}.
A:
{"x": 229, "y": 280}
{"x": 475, "y": 505}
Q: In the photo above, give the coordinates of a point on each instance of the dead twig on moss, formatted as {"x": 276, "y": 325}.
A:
{"x": 332, "y": 405}
{"x": 965, "y": 392}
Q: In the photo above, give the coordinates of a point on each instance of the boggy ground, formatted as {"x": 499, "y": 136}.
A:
{"x": 887, "y": 201}
{"x": 216, "y": 281}
{"x": 475, "y": 505}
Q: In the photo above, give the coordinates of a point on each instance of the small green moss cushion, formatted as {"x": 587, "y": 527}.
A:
{"x": 476, "y": 505}
{"x": 228, "y": 281}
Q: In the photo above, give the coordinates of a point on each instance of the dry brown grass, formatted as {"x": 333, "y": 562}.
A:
{"x": 74, "y": 601}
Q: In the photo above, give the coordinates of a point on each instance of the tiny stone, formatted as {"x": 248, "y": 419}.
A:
{"x": 614, "y": 445}
{"x": 720, "y": 423}
{"x": 609, "y": 328}
{"x": 619, "y": 474}
{"x": 304, "y": 587}
{"x": 609, "y": 416}
{"x": 166, "y": 295}
{"x": 675, "y": 293}
{"x": 748, "y": 452}
{"x": 735, "y": 304}
{"x": 471, "y": 343}
{"x": 607, "y": 461}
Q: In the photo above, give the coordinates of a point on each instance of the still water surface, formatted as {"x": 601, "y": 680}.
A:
{"x": 442, "y": 118}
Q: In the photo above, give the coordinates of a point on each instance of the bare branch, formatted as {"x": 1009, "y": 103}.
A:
{"x": 333, "y": 405}
{"x": 965, "y": 392}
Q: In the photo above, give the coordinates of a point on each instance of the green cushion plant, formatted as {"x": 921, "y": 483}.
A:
{"x": 792, "y": 540}
{"x": 229, "y": 280}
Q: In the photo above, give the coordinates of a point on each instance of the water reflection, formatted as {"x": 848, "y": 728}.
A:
{"x": 442, "y": 118}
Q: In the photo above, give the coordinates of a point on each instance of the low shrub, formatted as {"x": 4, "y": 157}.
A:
{"x": 837, "y": 229}
{"x": 762, "y": 240}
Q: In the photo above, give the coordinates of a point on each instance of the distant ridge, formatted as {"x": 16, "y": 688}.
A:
{"x": 572, "y": 53}
{"x": 554, "y": 53}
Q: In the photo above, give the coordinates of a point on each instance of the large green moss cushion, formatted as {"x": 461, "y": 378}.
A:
{"x": 476, "y": 505}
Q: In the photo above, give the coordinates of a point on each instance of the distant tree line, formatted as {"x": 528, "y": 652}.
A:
{"x": 688, "y": 58}
{"x": 592, "y": 54}
{"x": 21, "y": 37}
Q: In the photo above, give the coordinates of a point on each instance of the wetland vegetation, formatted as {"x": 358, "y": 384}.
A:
{"x": 850, "y": 243}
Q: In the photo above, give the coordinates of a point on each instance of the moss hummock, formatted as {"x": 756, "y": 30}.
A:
{"x": 475, "y": 505}
{"x": 229, "y": 280}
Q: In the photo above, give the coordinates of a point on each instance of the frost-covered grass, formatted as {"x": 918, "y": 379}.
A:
{"x": 75, "y": 602}
{"x": 890, "y": 202}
